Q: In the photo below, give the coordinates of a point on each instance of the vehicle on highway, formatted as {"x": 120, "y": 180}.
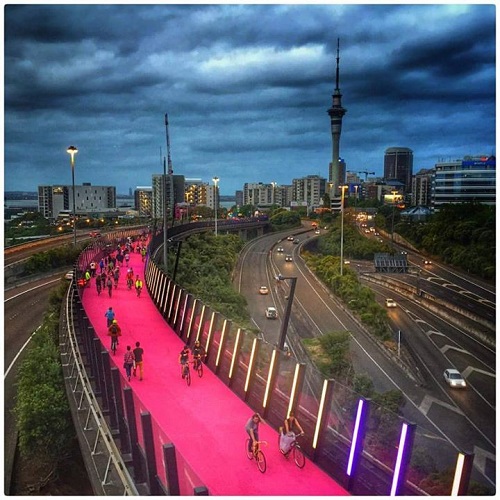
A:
{"x": 69, "y": 275}
{"x": 288, "y": 258}
{"x": 454, "y": 378}
{"x": 271, "y": 313}
{"x": 390, "y": 303}
{"x": 426, "y": 262}
{"x": 347, "y": 261}
{"x": 263, "y": 290}
{"x": 296, "y": 241}
{"x": 94, "y": 234}
{"x": 317, "y": 231}
{"x": 279, "y": 249}
{"x": 290, "y": 238}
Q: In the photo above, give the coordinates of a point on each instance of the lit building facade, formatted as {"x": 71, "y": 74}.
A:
{"x": 143, "y": 198}
{"x": 421, "y": 188}
{"x": 398, "y": 165}
{"x": 472, "y": 179}
{"x": 310, "y": 190}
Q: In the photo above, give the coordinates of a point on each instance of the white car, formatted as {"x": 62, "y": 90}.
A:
{"x": 69, "y": 275}
{"x": 390, "y": 303}
{"x": 263, "y": 290}
{"x": 454, "y": 378}
{"x": 271, "y": 313}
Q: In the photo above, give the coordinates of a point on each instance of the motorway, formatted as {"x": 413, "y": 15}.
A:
{"x": 462, "y": 420}
{"x": 24, "y": 308}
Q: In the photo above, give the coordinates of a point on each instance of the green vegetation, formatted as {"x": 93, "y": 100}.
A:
{"x": 283, "y": 219}
{"x": 63, "y": 256}
{"x": 43, "y": 418}
{"x": 460, "y": 235}
{"x": 205, "y": 267}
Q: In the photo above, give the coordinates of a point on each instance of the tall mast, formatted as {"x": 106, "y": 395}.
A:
{"x": 169, "y": 160}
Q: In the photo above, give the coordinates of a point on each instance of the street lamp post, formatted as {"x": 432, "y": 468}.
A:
{"x": 216, "y": 199}
{"x": 343, "y": 188}
{"x": 394, "y": 199}
{"x": 288, "y": 310}
{"x": 72, "y": 150}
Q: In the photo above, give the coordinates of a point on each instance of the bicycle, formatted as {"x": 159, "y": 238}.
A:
{"x": 114, "y": 343}
{"x": 130, "y": 282}
{"x": 295, "y": 449}
{"x": 198, "y": 366}
{"x": 256, "y": 453}
{"x": 186, "y": 373}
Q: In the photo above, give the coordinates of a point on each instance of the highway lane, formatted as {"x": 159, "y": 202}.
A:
{"x": 24, "y": 308}
{"x": 315, "y": 312}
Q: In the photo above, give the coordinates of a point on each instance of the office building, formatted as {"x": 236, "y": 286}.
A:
{"x": 170, "y": 188}
{"x": 398, "y": 165}
{"x": 472, "y": 179}
{"x": 309, "y": 190}
{"x": 143, "y": 198}
{"x": 421, "y": 188}
{"x": 53, "y": 200}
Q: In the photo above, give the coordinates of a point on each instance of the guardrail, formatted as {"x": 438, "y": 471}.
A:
{"x": 102, "y": 455}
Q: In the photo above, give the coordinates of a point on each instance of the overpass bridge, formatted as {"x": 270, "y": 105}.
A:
{"x": 158, "y": 436}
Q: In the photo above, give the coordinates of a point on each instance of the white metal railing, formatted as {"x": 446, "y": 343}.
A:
{"x": 108, "y": 463}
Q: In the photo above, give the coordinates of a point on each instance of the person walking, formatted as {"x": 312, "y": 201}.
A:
{"x": 110, "y": 316}
{"x": 252, "y": 429}
{"x": 128, "y": 362}
{"x": 139, "y": 359}
{"x": 138, "y": 285}
{"x": 109, "y": 284}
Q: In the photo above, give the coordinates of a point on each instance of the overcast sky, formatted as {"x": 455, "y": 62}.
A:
{"x": 246, "y": 88}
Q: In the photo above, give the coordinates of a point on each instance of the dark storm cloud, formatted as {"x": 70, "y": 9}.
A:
{"x": 246, "y": 87}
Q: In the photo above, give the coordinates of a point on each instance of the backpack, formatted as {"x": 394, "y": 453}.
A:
{"x": 113, "y": 329}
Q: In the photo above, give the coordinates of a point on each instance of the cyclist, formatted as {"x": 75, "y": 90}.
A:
{"x": 138, "y": 285}
{"x": 198, "y": 353}
{"x": 114, "y": 331}
{"x": 116, "y": 276}
{"x": 184, "y": 359}
{"x": 130, "y": 278}
{"x": 288, "y": 432}
{"x": 252, "y": 428}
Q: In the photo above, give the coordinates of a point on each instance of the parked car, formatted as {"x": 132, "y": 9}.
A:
{"x": 288, "y": 258}
{"x": 263, "y": 290}
{"x": 271, "y": 313}
{"x": 390, "y": 303}
{"x": 454, "y": 379}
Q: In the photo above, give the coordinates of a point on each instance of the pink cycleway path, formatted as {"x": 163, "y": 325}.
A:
{"x": 206, "y": 420}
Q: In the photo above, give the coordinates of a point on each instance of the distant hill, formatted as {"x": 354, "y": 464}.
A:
{"x": 20, "y": 195}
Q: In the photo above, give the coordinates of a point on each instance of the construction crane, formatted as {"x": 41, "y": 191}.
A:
{"x": 169, "y": 160}
{"x": 362, "y": 172}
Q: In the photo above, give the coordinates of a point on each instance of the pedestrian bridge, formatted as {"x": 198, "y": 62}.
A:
{"x": 159, "y": 436}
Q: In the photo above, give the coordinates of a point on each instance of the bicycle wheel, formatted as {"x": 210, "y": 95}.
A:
{"x": 298, "y": 456}
{"x": 261, "y": 461}
{"x": 249, "y": 452}
{"x": 199, "y": 369}
{"x": 188, "y": 377}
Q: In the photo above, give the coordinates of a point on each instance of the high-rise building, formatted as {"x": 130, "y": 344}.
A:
{"x": 143, "y": 197}
{"x": 461, "y": 181}
{"x": 336, "y": 175}
{"x": 88, "y": 199}
{"x": 421, "y": 188}
{"x": 169, "y": 188}
{"x": 398, "y": 165}
{"x": 310, "y": 190}
{"x": 258, "y": 194}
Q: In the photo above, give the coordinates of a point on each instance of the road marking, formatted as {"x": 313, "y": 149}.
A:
{"x": 428, "y": 401}
{"x": 31, "y": 289}
{"x": 19, "y": 353}
{"x": 480, "y": 456}
{"x": 447, "y": 347}
{"x": 470, "y": 369}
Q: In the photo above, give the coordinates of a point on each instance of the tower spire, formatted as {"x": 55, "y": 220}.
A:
{"x": 336, "y": 175}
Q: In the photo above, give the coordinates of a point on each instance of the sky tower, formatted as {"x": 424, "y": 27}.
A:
{"x": 336, "y": 112}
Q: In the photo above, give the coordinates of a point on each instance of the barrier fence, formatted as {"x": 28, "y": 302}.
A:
{"x": 366, "y": 448}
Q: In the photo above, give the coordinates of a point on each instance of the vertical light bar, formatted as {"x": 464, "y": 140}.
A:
{"x": 167, "y": 295}
{"x": 320, "y": 413}
{"x": 173, "y": 301}
{"x": 210, "y": 330}
{"x": 221, "y": 342}
{"x": 269, "y": 378}
{"x": 192, "y": 318}
{"x": 458, "y": 474}
{"x": 294, "y": 388}
{"x": 200, "y": 324}
{"x": 355, "y": 436}
{"x": 235, "y": 353}
{"x": 184, "y": 312}
{"x": 250, "y": 364}
{"x": 399, "y": 459}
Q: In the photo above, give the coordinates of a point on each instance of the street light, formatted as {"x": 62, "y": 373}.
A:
{"x": 343, "y": 188}
{"x": 216, "y": 182}
{"x": 394, "y": 200}
{"x": 72, "y": 150}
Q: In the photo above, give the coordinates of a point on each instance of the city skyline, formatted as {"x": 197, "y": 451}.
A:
{"x": 246, "y": 88}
